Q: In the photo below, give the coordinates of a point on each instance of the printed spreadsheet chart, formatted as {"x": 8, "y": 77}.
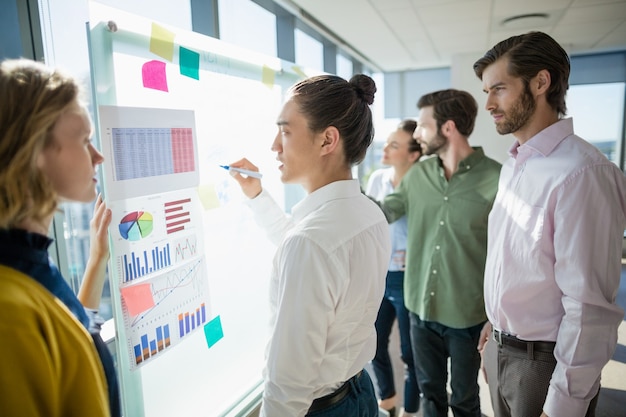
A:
{"x": 149, "y": 152}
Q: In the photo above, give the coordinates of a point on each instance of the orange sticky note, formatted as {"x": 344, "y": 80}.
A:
{"x": 153, "y": 75}
{"x": 162, "y": 42}
{"x": 137, "y": 298}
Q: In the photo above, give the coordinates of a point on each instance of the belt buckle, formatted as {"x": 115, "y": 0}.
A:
{"x": 497, "y": 336}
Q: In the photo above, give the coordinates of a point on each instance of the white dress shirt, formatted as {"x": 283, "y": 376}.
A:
{"x": 554, "y": 258}
{"x": 327, "y": 282}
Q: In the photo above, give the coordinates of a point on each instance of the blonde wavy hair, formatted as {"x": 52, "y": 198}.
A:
{"x": 32, "y": 98}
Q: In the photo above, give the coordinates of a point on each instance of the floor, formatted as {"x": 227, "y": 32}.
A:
{"x": 612, "y": 401}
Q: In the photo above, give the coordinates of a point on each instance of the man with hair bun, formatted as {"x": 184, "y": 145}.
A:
{"x": 329, "y": 270}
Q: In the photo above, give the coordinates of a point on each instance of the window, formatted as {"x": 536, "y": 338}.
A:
{"x": 245, "y": 23}
{"x": 598, "y": 112}
{"x": 344, "y": 67}
{"x": 309, "y": 51}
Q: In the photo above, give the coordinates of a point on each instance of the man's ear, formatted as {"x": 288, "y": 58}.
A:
{"x": 448, "y": 127}
{"x": 414, "y": 156}
{"x": 541, "y": 82}
{"x": 330, "y": 140}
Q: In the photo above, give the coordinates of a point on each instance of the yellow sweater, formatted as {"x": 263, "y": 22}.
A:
{"x": 49, "y": 366}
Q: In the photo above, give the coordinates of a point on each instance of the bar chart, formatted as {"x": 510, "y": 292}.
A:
{"x": 175, "y": 306}
{"x": 137, "y": 265}
{"x": 188, "y": 321}
{"x": 148, "y": 348}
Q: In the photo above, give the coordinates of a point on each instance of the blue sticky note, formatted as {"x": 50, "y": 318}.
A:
{"x": 213, "y": 331}
{"x": 189, "y": 63}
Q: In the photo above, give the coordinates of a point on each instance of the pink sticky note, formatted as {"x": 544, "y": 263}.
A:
{"x": 137, "y": 298}
{"x": 153, "y": 75}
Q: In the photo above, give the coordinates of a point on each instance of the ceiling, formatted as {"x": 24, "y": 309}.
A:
{"x": 399, "y": 35}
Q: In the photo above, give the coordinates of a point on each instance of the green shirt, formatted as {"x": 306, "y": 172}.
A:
{"x": 447, "y": 237}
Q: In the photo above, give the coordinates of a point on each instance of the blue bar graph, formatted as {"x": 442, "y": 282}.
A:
{"x": 187, "y": 322}
{"x": 147, "y": 348}
{"x": 138, "y": 265}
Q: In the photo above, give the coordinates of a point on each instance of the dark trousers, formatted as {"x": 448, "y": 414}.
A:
{"x": 392, "y": 307}
{"x": 360, "y": 402}
{"x": 523, "y": 391}
{"x": 433, "y": 343}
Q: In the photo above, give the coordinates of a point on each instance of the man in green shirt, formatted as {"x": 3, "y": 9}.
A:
{"x": 447, "y": 200}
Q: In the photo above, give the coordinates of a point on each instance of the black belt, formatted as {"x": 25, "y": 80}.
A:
{"x": 507, "y": 340}
{"x": 334, "y": 397}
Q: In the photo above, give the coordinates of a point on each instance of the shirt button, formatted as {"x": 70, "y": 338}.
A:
{"x": 437, "y": 247}
{"x": 432, "y": 294}
{"x": 467, "y": 167}
{"x": 441, "y": 223}
{"x": 434, "y": 271}
{"x": 445, "y": 198}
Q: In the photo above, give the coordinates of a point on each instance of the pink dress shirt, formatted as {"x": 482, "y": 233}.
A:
{"x": 554, "y": 258}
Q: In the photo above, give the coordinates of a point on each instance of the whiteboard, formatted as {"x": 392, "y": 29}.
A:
{"x": 197, "y": 352}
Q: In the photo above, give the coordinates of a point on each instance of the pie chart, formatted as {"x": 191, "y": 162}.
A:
{"x": 136, "y": 225}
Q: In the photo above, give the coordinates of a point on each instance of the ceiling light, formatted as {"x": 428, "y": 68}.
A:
{"x": 528, "y": 20}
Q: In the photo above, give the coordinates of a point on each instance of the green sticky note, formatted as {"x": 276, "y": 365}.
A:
{"x": 213, "y": 331}
{"x": 189, "y": 63}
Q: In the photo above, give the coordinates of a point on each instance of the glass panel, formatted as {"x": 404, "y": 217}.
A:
{"x": 598, "y": 112}
{"x": 344, "y": 67}
{"x": 245, "y": 23}
{"x": 309, "y": 51}
{"x": 76, "y": 236}
{"x": 162, "y": 250}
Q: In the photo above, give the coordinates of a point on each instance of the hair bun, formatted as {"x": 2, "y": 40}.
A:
{"x": 364, "y": 86}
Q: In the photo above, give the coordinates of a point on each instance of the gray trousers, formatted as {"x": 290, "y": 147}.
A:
{"x": 518, "y": 381}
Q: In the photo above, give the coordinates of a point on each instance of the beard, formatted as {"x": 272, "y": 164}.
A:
{"x": 519, "y": 114}
{"x": 433, "y": 147}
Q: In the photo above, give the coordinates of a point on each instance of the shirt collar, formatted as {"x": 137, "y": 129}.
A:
{"x": 468, "y": 163}
{"x": 332, "y": 191}
{"x": 546, "y": 140}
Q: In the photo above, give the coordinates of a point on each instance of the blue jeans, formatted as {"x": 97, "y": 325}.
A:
{"x": 392, "y": 307}
{"x": 360, "y": 402}
{"x": 432, "y": 344}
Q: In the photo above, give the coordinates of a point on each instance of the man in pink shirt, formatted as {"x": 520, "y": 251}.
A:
{"x": 554, "y": 241}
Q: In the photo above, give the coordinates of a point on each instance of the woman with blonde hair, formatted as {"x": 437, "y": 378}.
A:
{"x": 54, "y": 360}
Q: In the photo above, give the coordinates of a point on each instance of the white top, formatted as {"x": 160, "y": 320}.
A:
{"x": 554, "y": 258}
{"x": 379, "y": 185}
{"x": 327, "y": 283}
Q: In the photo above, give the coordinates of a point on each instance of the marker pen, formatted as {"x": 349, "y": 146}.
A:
{"x": 243, "y": 171}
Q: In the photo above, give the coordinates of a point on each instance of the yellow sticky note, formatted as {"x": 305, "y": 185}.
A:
{"x": 162, "y": 42}
{"x": 208, "y": 196}
{"x": 299, "y": 71}
{"x": 268, "y": 76}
